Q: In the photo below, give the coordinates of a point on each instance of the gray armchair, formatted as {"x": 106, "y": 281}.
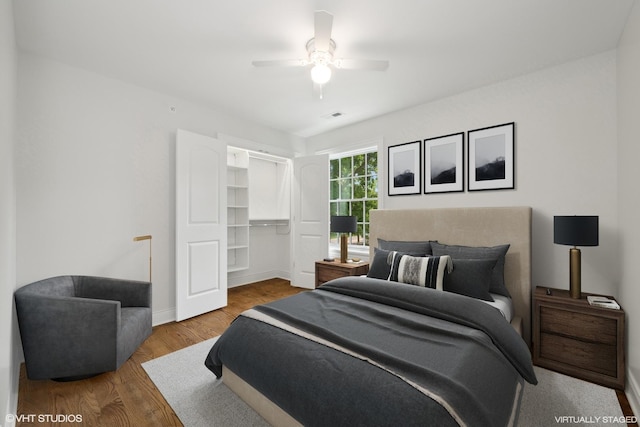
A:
{"x": 74, "y": 327}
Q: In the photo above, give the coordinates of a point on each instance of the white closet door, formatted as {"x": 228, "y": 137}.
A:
{"x": 310, "y": 217}
{"x": 201, "y": 224}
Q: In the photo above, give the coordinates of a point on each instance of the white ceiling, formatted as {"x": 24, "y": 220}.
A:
{"x": 201, "y": 50}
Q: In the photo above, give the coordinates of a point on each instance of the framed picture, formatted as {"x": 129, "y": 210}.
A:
{"x": 491, "y": 157}
{"x": 404, "y": 168}
{"x": 444, "y": 164}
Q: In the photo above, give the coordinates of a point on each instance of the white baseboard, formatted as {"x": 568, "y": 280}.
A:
{"x": 9, "y": 418}
{"x": 13, "y": 372}
{"x": 239, "y": 280}
{"x": 169, "y": 315}
{"x": 12, "y": 409}
{"x": 633, "y": 392}
{"x": 164, "y": 316}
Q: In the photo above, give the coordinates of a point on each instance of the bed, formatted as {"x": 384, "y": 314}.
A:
{"x": 372, "y": 351}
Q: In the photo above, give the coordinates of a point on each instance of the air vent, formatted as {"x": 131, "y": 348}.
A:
{"x": 334, "y": 115}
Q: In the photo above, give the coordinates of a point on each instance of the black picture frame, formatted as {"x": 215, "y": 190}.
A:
{"x": 404, "y": 169}
{"x": 491, "y": 158}
{"x": 444, "y": 164}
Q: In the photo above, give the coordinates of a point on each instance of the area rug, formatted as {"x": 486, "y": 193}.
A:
{"x": 199, "y": 399}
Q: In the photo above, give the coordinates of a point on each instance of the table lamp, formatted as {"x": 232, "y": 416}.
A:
{"x": 575, "y": 231}
{"x": 343, "y": 225}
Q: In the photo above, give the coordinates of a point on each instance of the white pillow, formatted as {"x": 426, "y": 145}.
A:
{"x": 428, "y": 272}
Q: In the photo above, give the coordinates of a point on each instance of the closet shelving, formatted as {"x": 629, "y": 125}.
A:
{"x": 237, "y": 210}
{"x": 258, "y": 193}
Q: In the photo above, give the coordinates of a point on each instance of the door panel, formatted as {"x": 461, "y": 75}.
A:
{"x": 201, "y": 224}
{"x": 310, "y": 217}
{"x": 202, "y": 177}
{"x": 203, "y": 276}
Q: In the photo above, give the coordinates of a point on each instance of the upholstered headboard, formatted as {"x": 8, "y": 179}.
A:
{"x": 471, "y": 227}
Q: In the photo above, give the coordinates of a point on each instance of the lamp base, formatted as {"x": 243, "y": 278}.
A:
{"x": 343, "y": 248}
{"x": 574, "y": 273}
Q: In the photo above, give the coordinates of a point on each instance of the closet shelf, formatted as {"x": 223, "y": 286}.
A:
{"x": 267, "y": 222}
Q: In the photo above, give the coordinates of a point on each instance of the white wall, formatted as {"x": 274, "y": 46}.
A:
{"x": 269, "y": 255}
{"x": 9, "y": 354}
{"x": 95, "y": 167}
{"x": 629, "y": 202}
{"x": 566, "y": 157}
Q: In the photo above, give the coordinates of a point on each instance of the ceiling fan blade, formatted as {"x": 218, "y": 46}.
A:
{"x": 323, "y": 24}
{"x": 361, "y": 64}
{"x": 281, "y": 63}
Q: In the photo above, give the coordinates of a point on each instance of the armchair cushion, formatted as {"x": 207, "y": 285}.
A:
{"x": 74, "y": 326}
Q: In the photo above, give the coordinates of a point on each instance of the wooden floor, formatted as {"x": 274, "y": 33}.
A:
{"x": 128, "y": 397}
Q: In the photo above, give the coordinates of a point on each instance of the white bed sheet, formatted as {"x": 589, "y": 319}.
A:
{"x": 504, "y": 304}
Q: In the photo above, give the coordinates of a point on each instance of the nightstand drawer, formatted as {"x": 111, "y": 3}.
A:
{"x": 326, "y": 271}
{"x": 580, "y": 326}
{"x": 326, "y": 274}
{"x": 595, "y": 357}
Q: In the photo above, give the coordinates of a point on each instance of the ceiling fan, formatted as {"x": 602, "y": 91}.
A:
{"x": 320, "y": 51}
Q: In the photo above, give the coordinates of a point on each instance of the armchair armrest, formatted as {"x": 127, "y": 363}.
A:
{"x": 130, "y": 293}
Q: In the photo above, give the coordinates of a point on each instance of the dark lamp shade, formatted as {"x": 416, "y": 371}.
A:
{"x": 575, "y": 230}
{"x": 343, "y": 224}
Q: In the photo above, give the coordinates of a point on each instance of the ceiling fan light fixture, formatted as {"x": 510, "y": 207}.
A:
{"x": 320, "y": 73}
{"x": 320, "y": 50}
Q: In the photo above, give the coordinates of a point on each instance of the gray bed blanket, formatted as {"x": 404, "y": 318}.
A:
{"x": 361, "y": 351}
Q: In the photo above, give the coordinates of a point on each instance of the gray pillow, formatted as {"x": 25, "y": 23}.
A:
{"x": 471, "y": 277}
{"x": 379, "y": 268}
{"x": 479, "y": 252}
{"x": 409, "y": 248}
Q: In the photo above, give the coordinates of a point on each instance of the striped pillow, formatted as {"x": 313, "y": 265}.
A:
{"x": 428, "y": 272}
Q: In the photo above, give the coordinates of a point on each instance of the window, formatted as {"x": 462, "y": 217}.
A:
{"x": 353, "y": 182}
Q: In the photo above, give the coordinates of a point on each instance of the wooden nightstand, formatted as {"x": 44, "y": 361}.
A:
{"x": 572, "y": 337}
{"x": 326, "y": 271}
